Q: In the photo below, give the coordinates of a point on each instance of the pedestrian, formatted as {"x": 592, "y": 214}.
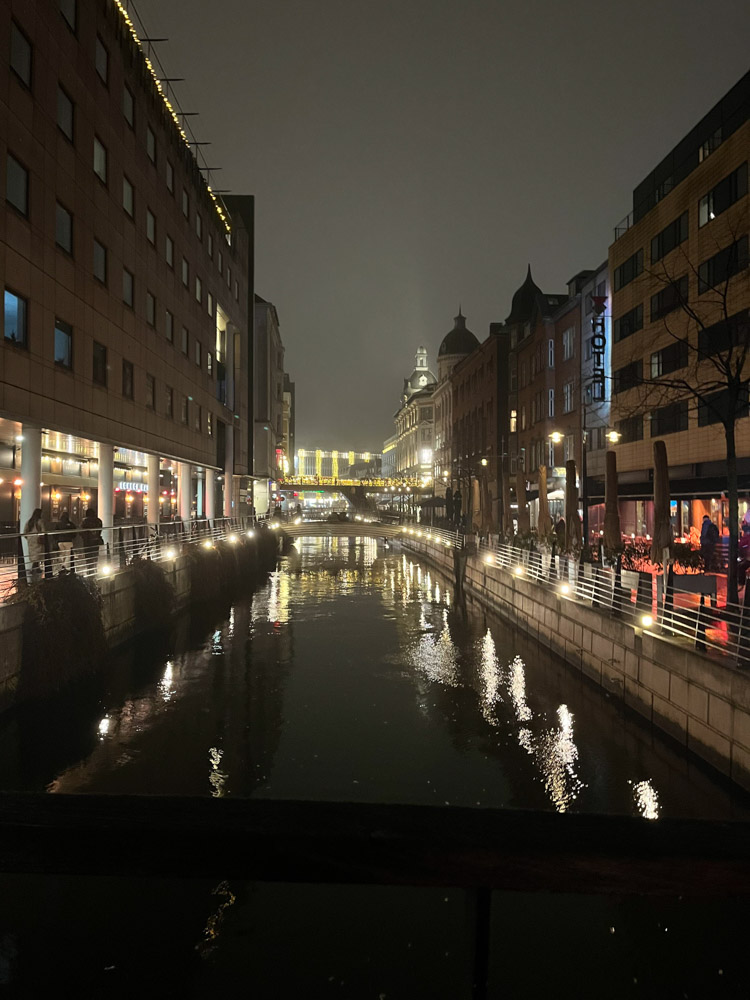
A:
{"x": 91, "y": 539}
{"x": 35, "y": 532}
{"x": 67, "y": 531}
{"x": 743, "y": 554}
{"x": 709, "y": 540}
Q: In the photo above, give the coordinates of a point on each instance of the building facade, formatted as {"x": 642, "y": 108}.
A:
{"x": 415, "y": 422}
{"x": 268, "y": 403}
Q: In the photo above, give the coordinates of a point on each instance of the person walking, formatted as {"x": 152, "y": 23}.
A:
{"x": 709, "y": 540}
{"x": 35, "y": 532}
{"x": 91, "y": 539}
{"x": 65, "y": 539}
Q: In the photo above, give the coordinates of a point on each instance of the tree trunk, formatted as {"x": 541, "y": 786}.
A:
{"x": 734, "y": 510}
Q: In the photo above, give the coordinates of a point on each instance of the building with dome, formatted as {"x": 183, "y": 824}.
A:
{"x": 415, "y": 421}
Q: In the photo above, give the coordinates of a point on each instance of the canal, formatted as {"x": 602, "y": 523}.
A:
{"x": 353, "y": 675}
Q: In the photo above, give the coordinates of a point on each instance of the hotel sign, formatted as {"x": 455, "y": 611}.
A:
{"x": 598, "y": 348}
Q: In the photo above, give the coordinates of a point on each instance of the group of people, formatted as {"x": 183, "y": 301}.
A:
{"x": 53, "y": 545}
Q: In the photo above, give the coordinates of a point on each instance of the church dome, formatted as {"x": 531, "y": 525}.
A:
{"x": 522, "y": 305}
{"x": 460, "y": 340}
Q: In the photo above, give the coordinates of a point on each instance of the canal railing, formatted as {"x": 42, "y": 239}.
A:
{"x": 78, "y": 549}
{"x": 684, "y": 610}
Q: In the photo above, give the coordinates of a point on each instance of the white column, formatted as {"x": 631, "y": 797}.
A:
{"x": 106, "y": 488}
{"x": 228, "y": 470}
{"x": 31, "y": 472}
{"x": 185, "y": 490}
{"x": 200, "y": 497}
{"x": 154, "y": 491}
{"x": 210, "y": 494}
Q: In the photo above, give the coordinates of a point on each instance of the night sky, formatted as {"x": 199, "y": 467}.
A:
{"x": 411, "y": 155}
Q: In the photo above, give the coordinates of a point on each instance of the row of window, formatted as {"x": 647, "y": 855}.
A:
{"x": 675, "y": 417}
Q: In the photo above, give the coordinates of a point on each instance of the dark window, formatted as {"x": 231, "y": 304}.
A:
{"x": 185, "y": 340}
{"x": 197, "y": 418}
{"x": 628, "y": 324}
{"x": 100, "y": 262}
{"x": 150, "y": 309}
{"x": 16, "y": 319}
{"x": 669, "y": 238}
{"x": 169, "y": 401}
{"x": 185, "y": 203}
{"x": 20, "y": 54}
{"x": 99, "y": 372}
{"x": 150, "y": 226}
{"x": 170, "y": 177}
{"x": 65, "y": 113}
{"x": 169, "y": 251}
{"x": 128, "y": 283}
{"x": 150, "y": 392}
{"x": 17, "y": 185}
{"x": 185, "y": 272}
{"x": 670, "y": 419}
{"x": 101, "y": 60}
{"x": 68, "y": 11}
{"x": 169, "y": 326}
{"x": 63, "y": 344}
{"x": 629, "y": 270}
{"x": 718, "y": 407}
{"x": 669, "y": 298}
{"x": 669, "y": 359}
{"x": 150, "y": 144}
{"x": 630, "y": 429}
{"x": 100, "y": 160}
{"x": 628, "y": 376}
{"x": 717, "y": 270}
{"x": 128, "y": 197}
{"x": 185, "y": 414}
{"x": 726, "y": 193}
{"x": 63, "y": 228}
{"x": 127, "y": 379}
{"x": 725, "y": 335}
{"x": 128, "y": 106}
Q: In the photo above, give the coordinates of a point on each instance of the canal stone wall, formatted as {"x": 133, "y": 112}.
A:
{"x": 701, "y": 702}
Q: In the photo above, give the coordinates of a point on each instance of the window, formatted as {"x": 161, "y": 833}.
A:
{"x": 210, "y": 242}
{"x": 629, "y": 270}
{"x": 236, "y": 290}
{"x": 99, "y": 373}
{"x": 630, "y": 429}
{"x": 150, "y": 392}
{"x": 210, "y": 424}
{"x": 169, "y": 326}
{"x": 523, "y": 418}
{"x": 150, "y": 144}
{"x": 150, "y": 226}
{"x": 185, "y": 203}
{"x": 185, "y": 272}
{"x": 513, "y": 421}
{"x": 551, "y": 454}
{"x": 198, "y": 226}
{"x": 209, "y": 362}
{"x": 128, "y": 197}
{"x": 210, "y": 304}
{"x": 198, "y": 289}
{"x": 220, "y": 263}
{"x": 567, "y": 343}
{"x": 197, "y": 419}
{"x": 185, "y": 340}
{"x": 628, "y": 377}
{"x": 669, "y": 238}
{"x": 669, "y": 298}
{"x": 20, "y": 54}
{"x": 16, "y": 313}
{"x": 101, "y": 60}
{"x": 588, "y": 349}
{"x": 670, "y": 419}
{"x": 712, "y": 143}
{"x": 128, "y": 105}
{"x": 568, "y": 403}
{"x": 150, "y": 309}
{"x": 628, "y": 324}
{"x": 229, "y": 276}
{"x": 718, "y": 407}
{"x": 17, "y": 185}
{"x": 169, "y": 401}
{"x": 127, "y": 379}
{"x": 100, "y": 262}
{"x": 551, "y": 353}
{"x": 65, "y": 113}
{"x": 726, "y": 193}
{"x": 63, "y": 228}
{"x": 185, "y": 410}
{"x": 68, "y": 11}
{"x": 197, "y": 352}
{"x": 128, "y": 287}
{"x": 169, "y": 251}
{"x": 170, "y": 177}
{"x": 717, "y": 270}
{"x": 569, "y": 448}
{"x": 100, "y": 160}
{"x": 725, "y": 335}
{"x": 669, "y": 359}
{"x": 550, "y": 402}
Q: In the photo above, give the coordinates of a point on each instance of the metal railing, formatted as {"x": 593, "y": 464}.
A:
{"x": 684, "y": 610}
{"x": 433, "y": 536}
{"x": 79, "y": 550}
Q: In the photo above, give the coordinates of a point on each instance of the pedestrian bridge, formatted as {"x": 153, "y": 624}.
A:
{"x": 369, "y": 528}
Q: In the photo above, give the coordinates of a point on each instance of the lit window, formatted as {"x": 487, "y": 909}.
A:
{"x": 63, "y": 344}
{"x": 15, "y": 326}
{"x": 513, "y": 421}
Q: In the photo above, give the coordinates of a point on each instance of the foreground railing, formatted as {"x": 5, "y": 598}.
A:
{"x": 685, "y": 608}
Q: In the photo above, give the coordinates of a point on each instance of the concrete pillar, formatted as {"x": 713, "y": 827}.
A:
{"x": 228, "y": 471}
{"x": 106, "y": 489}
{"x": 154, "y": 491}
{"x": 31, "y": 472}
{"x": 185, "y": 490}
{"x": 210, "y": 494}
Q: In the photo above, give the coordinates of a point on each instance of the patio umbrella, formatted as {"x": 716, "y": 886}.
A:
{"x": 572, "y": 518}
{"x": 523, "y": 505}
{"x": 544, "y": 524}
{"x": 612, "y": 532}
{"x": 662, "y": 525}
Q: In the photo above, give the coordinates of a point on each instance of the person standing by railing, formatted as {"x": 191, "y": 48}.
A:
{"x": 35, "y": 531}
{"x": 91, "y": 539}
{"x": 65, "y": 541}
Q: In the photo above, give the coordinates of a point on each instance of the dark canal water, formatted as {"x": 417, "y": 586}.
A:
{"x": 353, "y": 676}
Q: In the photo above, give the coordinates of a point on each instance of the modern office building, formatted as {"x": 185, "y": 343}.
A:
{"x": 680, "y": 299}
{"x": 125, "y": 347}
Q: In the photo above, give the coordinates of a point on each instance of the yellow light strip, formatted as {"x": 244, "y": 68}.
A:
{"x": 175, "y": 118}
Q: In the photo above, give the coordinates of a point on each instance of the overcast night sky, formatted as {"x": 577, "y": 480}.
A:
{"x": 408, "y": 155}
